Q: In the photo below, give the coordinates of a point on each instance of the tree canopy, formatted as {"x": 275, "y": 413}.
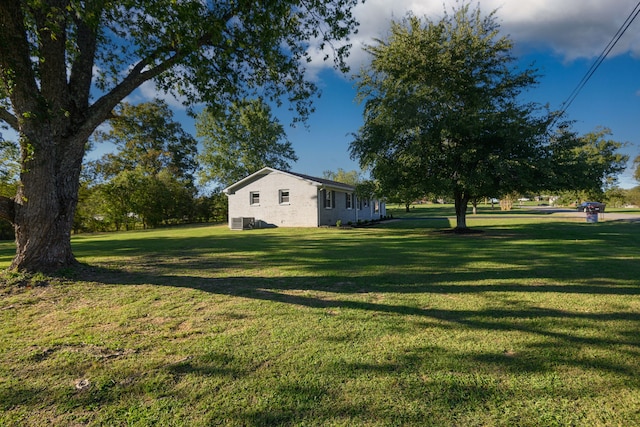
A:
{"x": 442, "y": 106}
{"x": 150, "y": 173}
{"x": 145, "y": 136}
{"x": 241, "y": 140}
{"x": 65, "y": 65}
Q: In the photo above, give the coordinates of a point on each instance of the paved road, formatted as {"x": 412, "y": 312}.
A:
{"x": 552, "y": 211}
{"x": 606, "y": 216}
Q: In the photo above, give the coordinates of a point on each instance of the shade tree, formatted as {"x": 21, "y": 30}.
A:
{"x": 65, "y": 65}
{"x": 442, "y": 105}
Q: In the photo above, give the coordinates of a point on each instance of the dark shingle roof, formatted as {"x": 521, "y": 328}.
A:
{"x": 323, "y": 181}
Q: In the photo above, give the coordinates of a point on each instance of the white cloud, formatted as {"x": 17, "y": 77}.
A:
{"x": 570, "y": 28}
{"x": 149, "y": 91}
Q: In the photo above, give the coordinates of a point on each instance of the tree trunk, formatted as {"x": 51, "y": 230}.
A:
{"x": 407, "y": 207}
{"x": 461, "y": 202}
{"x": 46, "y": 202}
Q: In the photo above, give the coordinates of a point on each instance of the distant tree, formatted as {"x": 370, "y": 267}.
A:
{"x": 615, "y": 197}
{"x": 352, "y": 177}
{"x": 604, "y": 162}
{"x": 583, "y": 167}
{"x": 636, "y": 165}
{"x": 150, "y": 174}
{"x": 633, "y": 196}
{"x": 442, "y": 103}
{"x": 65, "y": 65}
{"x": 145, "y": 136}
{"x": 241, "y": 140}
{"x": 212, "y": 208}
{"x": 9, "y": 162}
{"x": 399, "y": 183}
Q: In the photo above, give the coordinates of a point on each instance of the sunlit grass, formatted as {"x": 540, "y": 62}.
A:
{"x": 531, "y": 322}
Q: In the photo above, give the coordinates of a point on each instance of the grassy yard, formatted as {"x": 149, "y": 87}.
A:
{"x": 535, "y": 321}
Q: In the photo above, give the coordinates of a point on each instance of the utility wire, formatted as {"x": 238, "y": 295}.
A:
{"x": 616, "y": 37}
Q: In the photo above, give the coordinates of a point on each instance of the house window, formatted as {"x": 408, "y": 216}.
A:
{"x": 349, "y": 200}
{"x": 254, "y": 198}
{"x": 284, "y": 197}
{"x": 329, "y": 199}
{"x": 376, "y": 206}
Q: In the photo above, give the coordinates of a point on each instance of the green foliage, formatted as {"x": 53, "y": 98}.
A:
{"x": 146, "y": 137}
{"x": 441, "y": 106}
{"x": 9, "y": 167}
{"x": 150, "y": 176}
{"x": 633, "y": 196}
{"x": 604, "y": 163}
{"x": 636, "y": 165}
{"x": 241, "y": 140}
{"x": 615, "y": 197}
{"x": 346, "y": 177}
{"x": 583, "y": 167}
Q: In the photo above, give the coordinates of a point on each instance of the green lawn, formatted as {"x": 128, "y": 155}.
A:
{"x": 534, "y": 321}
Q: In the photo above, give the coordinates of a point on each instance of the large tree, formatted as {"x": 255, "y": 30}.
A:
{"x": 636, "y": 164}
{"x": 240, "y": 141}
{"x": 66, "y": 64}
{"x": 146, "y": 136}
{"x": 441, "y": 102}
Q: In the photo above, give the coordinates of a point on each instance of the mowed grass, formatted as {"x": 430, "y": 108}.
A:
{"x": 535, "y": 321}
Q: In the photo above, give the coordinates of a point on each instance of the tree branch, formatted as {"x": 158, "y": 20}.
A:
{"x": 81, "y": 69}
{"x": 9, "y": 118}
{"x": 101, "y": 110}
{"x": 145, "y": 70}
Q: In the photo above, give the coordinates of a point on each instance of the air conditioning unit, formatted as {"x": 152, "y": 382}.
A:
{"x": 242, "y": 223}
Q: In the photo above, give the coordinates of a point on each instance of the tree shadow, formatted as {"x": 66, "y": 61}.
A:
{"x": 337, "y": 274}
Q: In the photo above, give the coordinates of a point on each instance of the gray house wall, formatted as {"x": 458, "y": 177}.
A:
{"x": 300, "y": 211}
{"x": 306, "y": 201}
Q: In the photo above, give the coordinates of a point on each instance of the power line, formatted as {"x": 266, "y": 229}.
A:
{"x": 616, "y": 37}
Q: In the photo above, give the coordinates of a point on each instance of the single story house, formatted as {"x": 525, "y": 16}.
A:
{"x": 274, "y": 198}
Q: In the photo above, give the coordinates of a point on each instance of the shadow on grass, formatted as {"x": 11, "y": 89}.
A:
{"x": 336, "y": 270}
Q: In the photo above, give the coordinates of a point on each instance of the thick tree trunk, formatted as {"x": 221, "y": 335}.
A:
{"x": 461, "y": 202}
{"x": 45, "y": 204}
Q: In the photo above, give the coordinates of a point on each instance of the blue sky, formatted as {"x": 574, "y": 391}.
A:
{"x": 561, "y": 39}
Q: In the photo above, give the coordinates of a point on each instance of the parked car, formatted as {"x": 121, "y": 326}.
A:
{"x": 591, "y": 207}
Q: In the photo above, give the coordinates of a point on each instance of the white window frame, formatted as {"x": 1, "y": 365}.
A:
{"x": 281, "y": 195}
{"x": 349, "y": 200}
{"x": 253, "y": 195}
{"x": 329, "y": 199}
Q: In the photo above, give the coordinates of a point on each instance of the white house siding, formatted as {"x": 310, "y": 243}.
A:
{"x": 306, "y": 207}
{"x": 301, "y": 211}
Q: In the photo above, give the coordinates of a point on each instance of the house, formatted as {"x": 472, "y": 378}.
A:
{"x": 274, "y": 198}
